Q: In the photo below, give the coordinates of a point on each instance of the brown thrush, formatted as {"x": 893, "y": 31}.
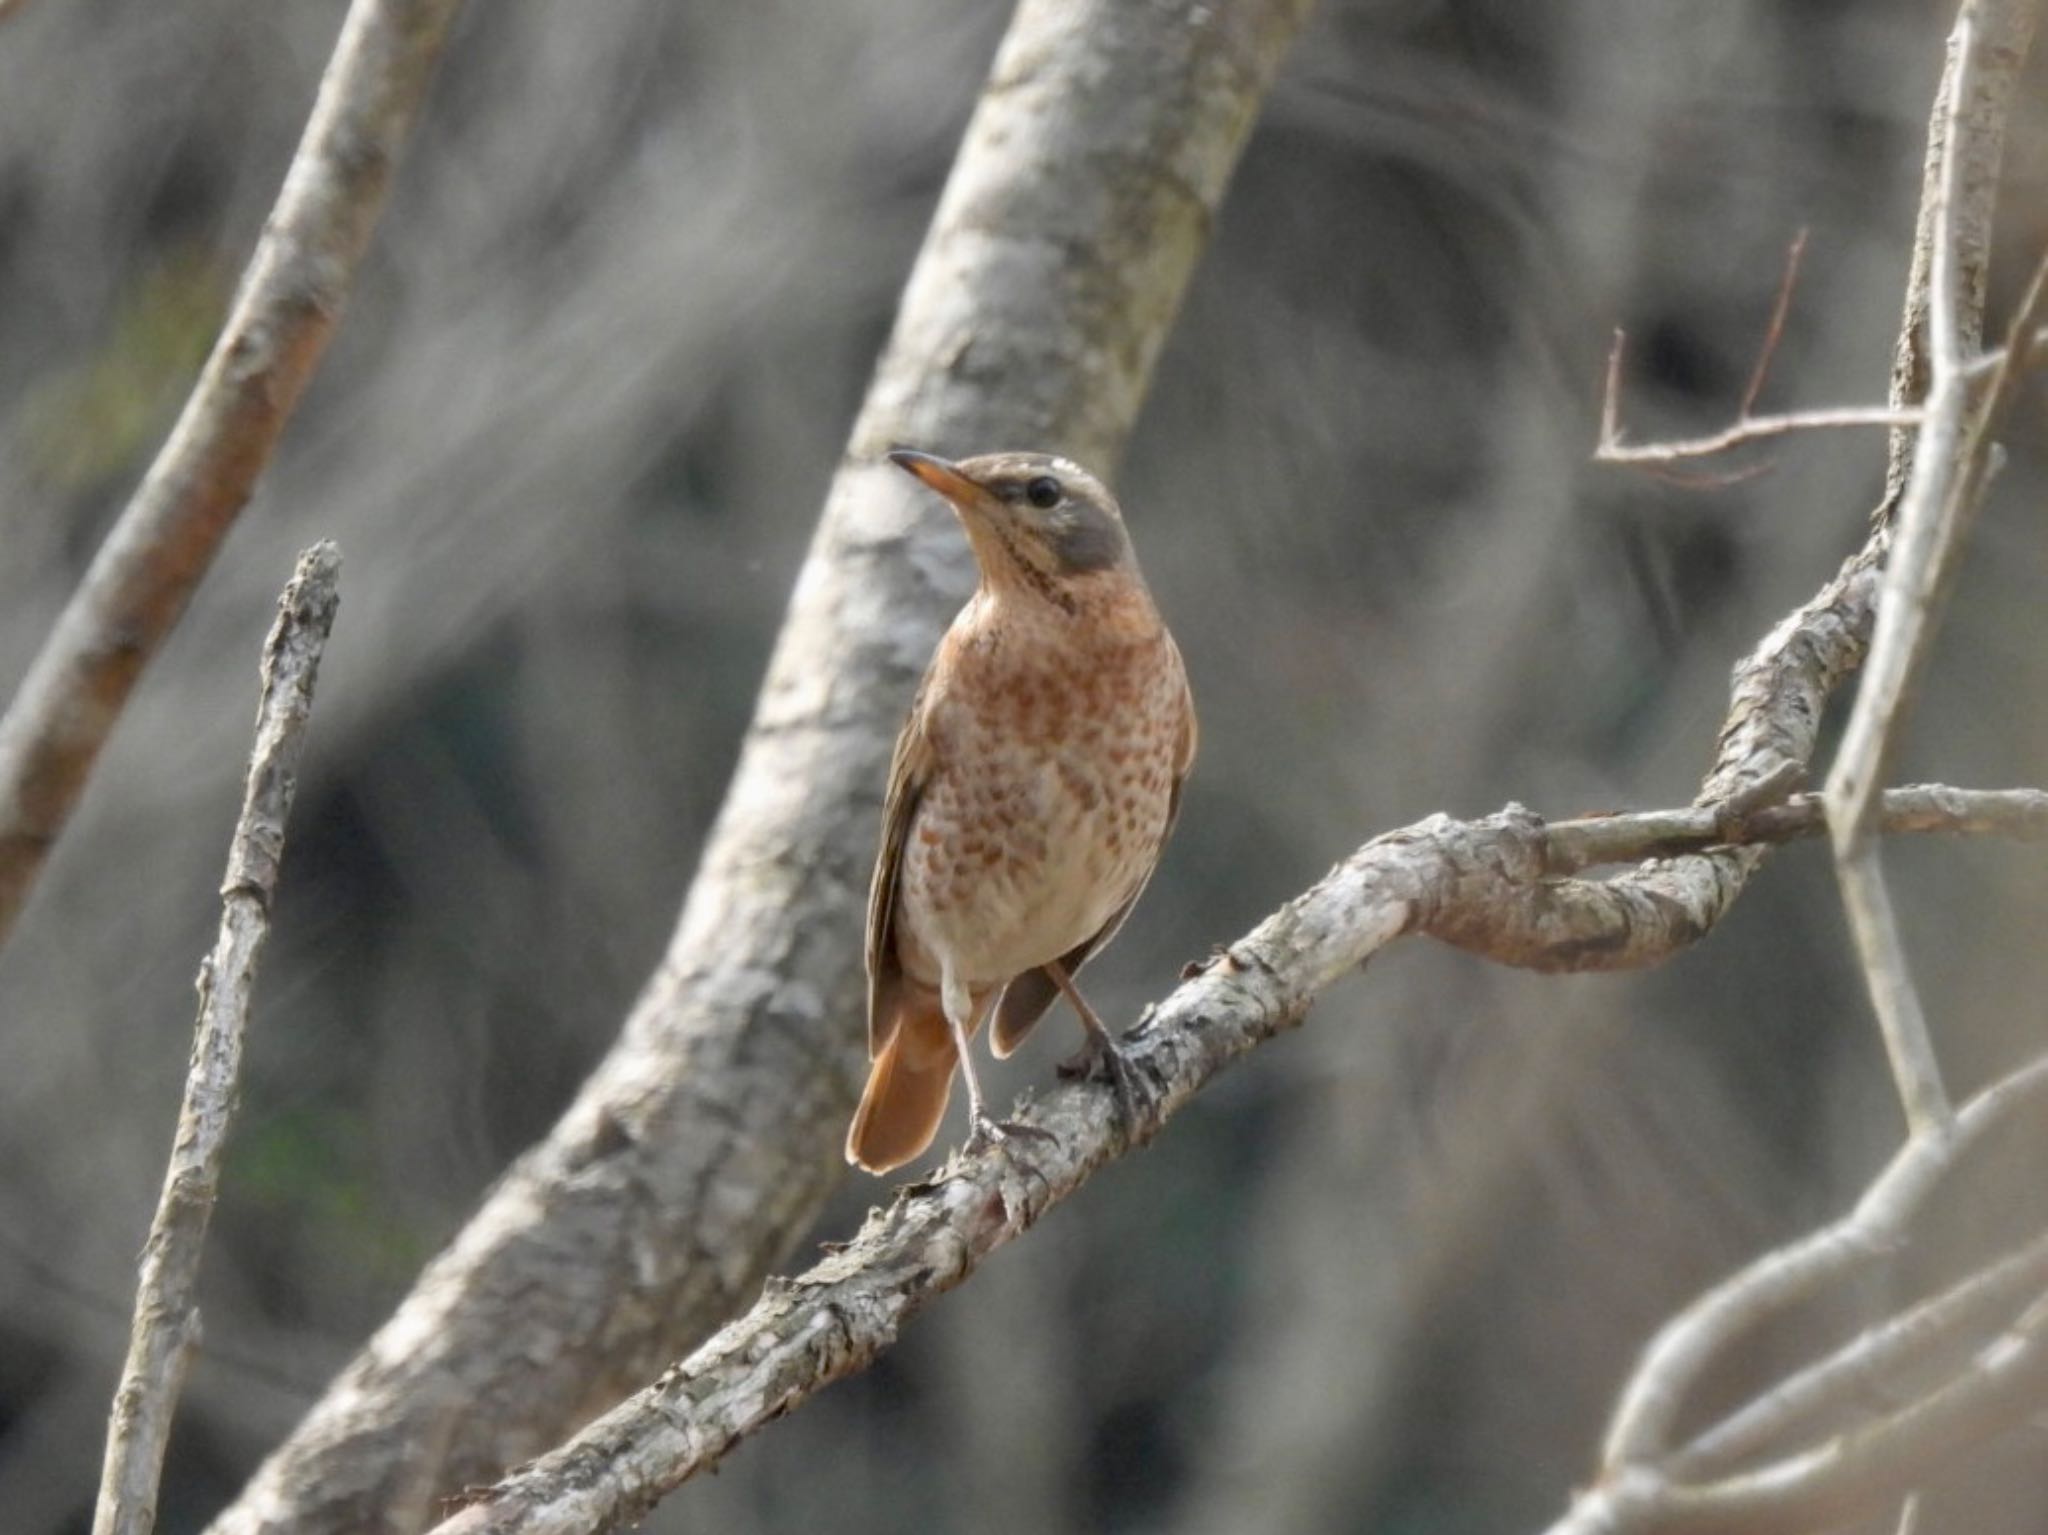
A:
{"x": 1032, "y": 791}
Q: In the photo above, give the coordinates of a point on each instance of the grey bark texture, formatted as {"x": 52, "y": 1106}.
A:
{"x": 166, "y": 1325}
{"x": 704, "y": 1143}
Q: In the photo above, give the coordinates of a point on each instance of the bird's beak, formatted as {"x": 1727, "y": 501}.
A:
{"x": 943, "y": 476}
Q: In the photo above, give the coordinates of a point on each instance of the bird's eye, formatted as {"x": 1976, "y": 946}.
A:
{"x": 1044, "y": 493}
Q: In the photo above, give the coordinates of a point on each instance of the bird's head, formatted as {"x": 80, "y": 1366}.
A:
{"x": 1035, "y": 520}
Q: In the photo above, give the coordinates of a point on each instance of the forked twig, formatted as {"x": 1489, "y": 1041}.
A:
{"x": 1747, "y": 427}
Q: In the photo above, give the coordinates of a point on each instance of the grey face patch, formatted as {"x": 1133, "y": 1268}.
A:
{"x": 1085, "y": 538}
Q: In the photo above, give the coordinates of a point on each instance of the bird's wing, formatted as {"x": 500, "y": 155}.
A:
{"x": 1026, "y": 998}
{"x": 909, "y": 771}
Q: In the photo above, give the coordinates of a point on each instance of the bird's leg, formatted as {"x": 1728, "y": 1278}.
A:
{"x": 1135, "y": 1100}
{"x": 961, "y": 1018}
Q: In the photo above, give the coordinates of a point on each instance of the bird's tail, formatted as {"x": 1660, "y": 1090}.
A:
{"x": 907, "y": 1088}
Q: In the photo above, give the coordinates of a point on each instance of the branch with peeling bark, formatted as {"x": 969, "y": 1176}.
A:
{"x": 166, "y": 1325}
{"x": 290, "y": 300}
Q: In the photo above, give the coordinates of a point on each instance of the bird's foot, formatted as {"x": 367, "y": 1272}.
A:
{"x": 1137, "y": 1102}
{"x": 985, "y": 1134}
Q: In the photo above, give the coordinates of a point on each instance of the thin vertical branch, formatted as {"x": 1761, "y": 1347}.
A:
{"x": 1975, "y": 108}
{"x": 290, "y": 300}
{"x": 1950, "y": 465}
{"x": 1902, "y": 628}
{"x": 166, "y": 1325}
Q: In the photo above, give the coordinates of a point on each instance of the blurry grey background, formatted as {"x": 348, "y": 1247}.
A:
{"x": 572, "y": 437}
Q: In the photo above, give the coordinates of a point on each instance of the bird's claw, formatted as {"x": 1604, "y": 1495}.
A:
{"x": 986, "y": 1134}
{"x": 1137, "y": 1104}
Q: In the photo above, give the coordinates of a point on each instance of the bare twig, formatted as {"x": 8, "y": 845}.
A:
{"x": 1633, "y": 835}
{"x": 1974, "y": 104}
{"x": 1986, "y": 363}
{"x": 1775, "y": 331}
{"x": 1855, "y": 1475}
{"x": 166, "y": 1325}
{"x": 1747, "y": 427}
{"x": 290, "y": 298}
{"x": 1942, "y": 494}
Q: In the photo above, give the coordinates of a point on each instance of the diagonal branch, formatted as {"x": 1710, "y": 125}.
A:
{"x": 1951, "y": 463}
{"x": 1488, "y": 886}
{"x": 166, "y": 1324}
{"x": 290, "y": 300}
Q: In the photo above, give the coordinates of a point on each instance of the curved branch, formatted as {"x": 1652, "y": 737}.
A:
{"x": 1868, "y": 1365}
{"x": 290, "y": 299}
{"x": 708, "y": 1139}
{"x": 1685, "y": 1345}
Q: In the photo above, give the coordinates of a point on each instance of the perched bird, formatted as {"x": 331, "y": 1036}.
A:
{"x": 1032, "y": 791}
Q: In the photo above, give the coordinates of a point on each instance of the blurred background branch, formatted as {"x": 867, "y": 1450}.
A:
{"x": 167, "y": 1327}
{"x": 156, "y": 553}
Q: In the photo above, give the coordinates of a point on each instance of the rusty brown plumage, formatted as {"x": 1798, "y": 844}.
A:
{"x": 1032, "y": 790}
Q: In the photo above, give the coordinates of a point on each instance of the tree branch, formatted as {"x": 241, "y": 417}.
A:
{"x": 1977, "y": 110}
{"x": 706, "y": 1142}
{"x": 1868, "y": 1366}
{"x": 1683, "y": 1347}
{"x": 1859, "y": 1471}
{"x": 166, "y": 1323}
{"x": 1487, "y": 886}
{"x": 290, "y": 299}
{"x": 1950, "y": 465}
{"x": 1634, "y": 835}
{"x": 1747, "y": 427}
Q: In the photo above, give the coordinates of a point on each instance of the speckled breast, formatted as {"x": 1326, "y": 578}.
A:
{"x": 1055, "y": 754}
